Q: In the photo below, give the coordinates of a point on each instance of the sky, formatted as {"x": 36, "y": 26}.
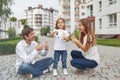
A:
{"x": 21, "y": 5}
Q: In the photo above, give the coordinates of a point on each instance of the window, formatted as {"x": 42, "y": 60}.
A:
{"x": 90, "y": 9}
{"x": 83, "y": 14}
{"x": 100, "y": 23}
{"x": 76, "y": 9}
{"x": 76, "y": 16}
{"x": 66, "y": 8}
{"x": 100, "y": 5}
{"x": 66, "y": 1}
{"x": 76, "y": 2}
{"x": 112, "y": 1}
{"x": 82, "y": 1}
{"x": 82, "y": 7}
{"x": 113, "y": 20}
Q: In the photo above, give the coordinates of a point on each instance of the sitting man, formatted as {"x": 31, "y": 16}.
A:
{"x": 26, "y": 50}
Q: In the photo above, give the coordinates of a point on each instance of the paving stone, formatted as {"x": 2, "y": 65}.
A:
{"x": 108, "y": 69}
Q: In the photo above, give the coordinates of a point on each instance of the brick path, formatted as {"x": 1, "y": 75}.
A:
{"x": 109, "y": 69}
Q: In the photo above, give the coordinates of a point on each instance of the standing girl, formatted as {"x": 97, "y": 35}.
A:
{"x": 60, "y": 41}
{"x": 88, "y": 58}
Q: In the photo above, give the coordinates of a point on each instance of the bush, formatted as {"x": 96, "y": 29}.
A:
{"x": 76, "y": 33}
{"x": 7, "y": 46}
{"x": 45, "y": 30}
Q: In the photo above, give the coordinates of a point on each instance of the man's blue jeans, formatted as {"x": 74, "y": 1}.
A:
{"x": 57, "y": 54}
{"x": 79, "y": 61}
{"x": 35, "y": 69}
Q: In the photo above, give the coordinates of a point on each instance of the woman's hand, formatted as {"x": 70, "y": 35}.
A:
{"x": 74, "y": 39}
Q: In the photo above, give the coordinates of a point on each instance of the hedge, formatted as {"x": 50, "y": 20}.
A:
{"x": 8, "y": 46}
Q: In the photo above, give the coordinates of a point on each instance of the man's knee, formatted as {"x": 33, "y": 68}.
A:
{"x": 24, "y": 66}
{"x": 50, "y": 59}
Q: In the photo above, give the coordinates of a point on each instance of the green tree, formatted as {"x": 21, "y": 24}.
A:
{"x": 5, "y": 10}
{"x": 45, "y": 30}
{"x": 12, "y": 19}
{"x": 24, "y": 23}
{"x": 11, "y": 32}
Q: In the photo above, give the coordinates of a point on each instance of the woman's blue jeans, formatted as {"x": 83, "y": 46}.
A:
{"x": 35, "y": 69}
{"x": 57, "y": 54}
{"x": 79, "y": 61}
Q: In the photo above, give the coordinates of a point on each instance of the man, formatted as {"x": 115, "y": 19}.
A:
{"x": 26, "y": 50}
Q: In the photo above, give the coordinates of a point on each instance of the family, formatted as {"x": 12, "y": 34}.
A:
{"x": 84, "y": 60}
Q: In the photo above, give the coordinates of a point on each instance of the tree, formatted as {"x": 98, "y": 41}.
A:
{"x": 24, "y": 23}
{"x": 11, "y": 33}
{"x": 5, "y": 10}
{"x": 45, "y": 30}
{"x": 12, "y": 19}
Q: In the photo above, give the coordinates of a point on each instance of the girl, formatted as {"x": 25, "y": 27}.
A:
{"x": 88, "y": 58}
{"x": 60, "y": 40}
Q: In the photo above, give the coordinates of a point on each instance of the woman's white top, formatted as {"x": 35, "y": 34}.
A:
{"x": 92, "y": 52}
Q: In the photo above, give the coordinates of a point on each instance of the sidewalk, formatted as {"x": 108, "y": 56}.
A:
{"x": 109, "y": 69}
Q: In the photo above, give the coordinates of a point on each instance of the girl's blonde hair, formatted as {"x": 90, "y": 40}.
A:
{"x": 90, "y": 36}
{"x": 57, "y": 23}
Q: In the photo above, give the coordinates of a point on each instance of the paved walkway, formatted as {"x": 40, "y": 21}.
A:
{"x": 109, "y": 69}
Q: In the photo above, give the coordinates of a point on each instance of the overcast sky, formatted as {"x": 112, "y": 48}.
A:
{"x": 20, "y": 5}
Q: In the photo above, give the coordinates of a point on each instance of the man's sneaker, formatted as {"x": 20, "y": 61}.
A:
{"x": 91, "y": 71}
{"x": 55, "y": 72}
{"x": 29, "y": 76}
{"x": 47, "y": 70}
{"x": 65, "y": 72}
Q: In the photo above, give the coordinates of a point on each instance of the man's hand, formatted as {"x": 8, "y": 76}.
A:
{"x": 39, "y": 47}
{"x": 46, "y": 45}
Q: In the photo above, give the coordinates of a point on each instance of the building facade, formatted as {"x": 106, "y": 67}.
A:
{"x": 38, "y": 17}
{"x": 69, "y": 10}
{"x": 107, "y": 16}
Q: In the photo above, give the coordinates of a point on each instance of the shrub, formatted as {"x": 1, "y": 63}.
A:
{"x": 7, "y": 46}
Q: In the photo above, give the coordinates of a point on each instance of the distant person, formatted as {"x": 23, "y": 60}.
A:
{"x": 87, "y": 58}
{"x": 26, "y": 50}
{"x": 60, "y": 43}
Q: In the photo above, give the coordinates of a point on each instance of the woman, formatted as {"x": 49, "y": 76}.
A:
{"x": 88, "y": 57}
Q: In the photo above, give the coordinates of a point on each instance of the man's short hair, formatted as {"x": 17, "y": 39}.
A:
{"x": 26, "y": 31}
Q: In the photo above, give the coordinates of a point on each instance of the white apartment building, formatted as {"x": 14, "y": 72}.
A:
{"x": 38, "y": 17}
{"x": 107, "y": 13}
{"x": 6, "y": 25}
{"x": 69, "y": 10}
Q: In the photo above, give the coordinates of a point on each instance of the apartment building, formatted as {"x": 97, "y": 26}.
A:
{"x": 38, "y": 17}
{"x": 4, "y": 26}
{"x": 69, "y": 10}
{"x": 107, "y": 16}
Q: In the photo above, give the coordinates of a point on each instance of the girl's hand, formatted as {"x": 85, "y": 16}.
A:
{"x": 52, "y": 33}
{"x": 65, "y": 38}
{"x": 55, "y": 32}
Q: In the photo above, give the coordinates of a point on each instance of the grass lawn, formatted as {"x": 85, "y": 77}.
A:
{"x": 108, "y": 42}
